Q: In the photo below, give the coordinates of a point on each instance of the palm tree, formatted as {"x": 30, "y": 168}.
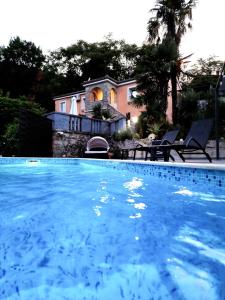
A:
{"x": 152, "y": 75}
{"x": 171, "y": 20}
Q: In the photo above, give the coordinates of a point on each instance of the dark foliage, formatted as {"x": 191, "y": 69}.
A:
{"x": 20, "y": 64}
{"x": 153, "y": 74}
{"x": 9, "y": 116}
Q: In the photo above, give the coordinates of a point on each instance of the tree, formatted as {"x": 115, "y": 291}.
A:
{"x": 9, "y": 116}
{"x": 82, "y": 61}
{"x": 48, "y": 84}
{"x": 207, "y": 66}
{"x": 9, "y": 110}
{"x": 170, "y": 21}
{"x": 198, "y": 94}
{"x": 20, "y": 64}
{"x": 153, "y": 73}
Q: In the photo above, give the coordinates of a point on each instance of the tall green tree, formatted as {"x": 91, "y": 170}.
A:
{"x": 171, "y": 19}
{"x": 25, "y": 72}
{"x": 153, "y": 74}
{"x": 20, "y": 65}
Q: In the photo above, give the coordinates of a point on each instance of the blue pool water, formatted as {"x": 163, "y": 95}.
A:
{"x": 91, "y": 232}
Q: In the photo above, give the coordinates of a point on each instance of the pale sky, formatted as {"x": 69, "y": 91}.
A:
{"x": 51, "y": 24}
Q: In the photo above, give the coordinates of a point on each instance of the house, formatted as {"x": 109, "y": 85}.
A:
{"x": 73, "y": 119}
{"x": 112, "y": 94}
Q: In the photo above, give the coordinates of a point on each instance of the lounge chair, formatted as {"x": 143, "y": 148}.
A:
{"x": 154, "y": 149}
{"x": 129, "y": 147}
{"x": 194, "y": 143}
{"x": 97, "y": 147}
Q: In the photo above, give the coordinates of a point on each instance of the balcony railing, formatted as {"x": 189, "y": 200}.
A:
{"x": 81, "y": 124}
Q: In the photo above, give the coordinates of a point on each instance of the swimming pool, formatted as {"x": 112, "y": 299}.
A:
{"x": 97, "y": 230}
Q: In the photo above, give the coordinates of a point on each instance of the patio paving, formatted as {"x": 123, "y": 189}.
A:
{"x": 140, "y": 157}
{"x": 194, "y": 159}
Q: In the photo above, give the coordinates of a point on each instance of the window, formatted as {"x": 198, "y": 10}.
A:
{"x": 63, "y": 106}
{"x": 132, "y": 93}
{"x": 112, "y": 96}
{"x": 82, "y": 104}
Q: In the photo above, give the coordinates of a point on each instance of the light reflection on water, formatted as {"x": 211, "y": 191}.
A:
{"x": 140, "y": 205}
{"x": 134, "y": 184}
{"x": 200, "y": 195}
{"x": 135, "y": 216}
{"x": 135, "y": 188}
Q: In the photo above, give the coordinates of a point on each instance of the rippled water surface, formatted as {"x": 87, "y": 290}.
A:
{"x": 85, "y": 232}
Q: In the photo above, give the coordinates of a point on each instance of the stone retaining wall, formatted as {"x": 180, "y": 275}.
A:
{"x": 69, "y": 144}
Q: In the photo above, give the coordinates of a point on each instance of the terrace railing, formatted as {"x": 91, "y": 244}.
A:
{"x": 81, "y": 124}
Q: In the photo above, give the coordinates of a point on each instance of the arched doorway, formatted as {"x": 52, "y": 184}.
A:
{"x": 96, "y": 94}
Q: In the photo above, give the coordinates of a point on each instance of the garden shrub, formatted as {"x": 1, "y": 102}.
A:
{"x": 123, "y": 135}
